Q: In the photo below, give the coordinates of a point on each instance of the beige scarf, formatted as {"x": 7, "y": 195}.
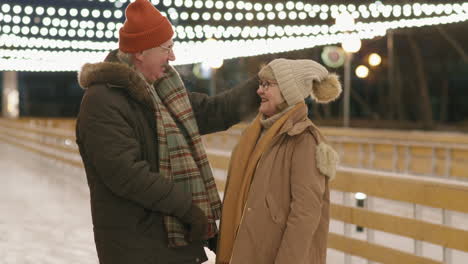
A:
{"x": 242, "y": 167}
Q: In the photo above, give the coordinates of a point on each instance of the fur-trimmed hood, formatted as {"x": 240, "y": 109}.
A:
{"x": 115, "y": 74}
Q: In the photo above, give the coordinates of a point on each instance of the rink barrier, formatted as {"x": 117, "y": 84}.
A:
{"x": 421, "y": 158}
{"x": 436, "y": 154}
{"x": 426, "y": 191}
{"x": 39, "y": 130}
{"x": 46, "y": 142}
{"x": 43, "y": 122}
{"x": 30, "y": 138}
{"x": 438, "y": 193}
{"x": 415, "y": 190}
{"x": 374, "y": 252}
{"x": 416, "y": 229}
{"x": 42, "y": 153}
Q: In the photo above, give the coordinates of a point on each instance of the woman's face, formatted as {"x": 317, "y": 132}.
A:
{"x": 271, "y": 97}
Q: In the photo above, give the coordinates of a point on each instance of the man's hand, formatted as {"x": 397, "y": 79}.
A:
{"x": 213, "y": 243}
{"x": 198, "y": 222}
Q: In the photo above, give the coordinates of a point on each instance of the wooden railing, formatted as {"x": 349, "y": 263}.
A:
{"x": 420, "y": 153}
{"x": 450, "y": 196}
{"x": 435, "y": 154}
{"x": 443, "y": 197}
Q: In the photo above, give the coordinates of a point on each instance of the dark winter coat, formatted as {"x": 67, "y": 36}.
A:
{"x": 116, "y": 135}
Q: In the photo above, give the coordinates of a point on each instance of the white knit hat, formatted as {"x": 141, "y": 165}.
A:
{"x": 298, "y": 79}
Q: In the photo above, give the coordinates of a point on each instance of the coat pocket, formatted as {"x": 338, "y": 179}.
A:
{"x": 277, "y": 215}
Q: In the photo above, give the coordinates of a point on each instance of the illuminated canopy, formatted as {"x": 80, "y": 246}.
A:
{"x": 51, "y": 35}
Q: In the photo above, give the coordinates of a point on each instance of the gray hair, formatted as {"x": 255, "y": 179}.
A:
{"x": 126, "y": 58}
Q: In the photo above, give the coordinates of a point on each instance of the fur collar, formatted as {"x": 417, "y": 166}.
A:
{"x": 115, "y": 74}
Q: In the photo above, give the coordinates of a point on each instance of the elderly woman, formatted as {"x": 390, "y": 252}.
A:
{"x": 276, "y": 203}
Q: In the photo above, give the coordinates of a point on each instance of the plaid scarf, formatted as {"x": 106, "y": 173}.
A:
{"x": 182, "y": 157}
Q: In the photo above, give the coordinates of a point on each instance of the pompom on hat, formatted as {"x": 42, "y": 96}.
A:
{"x": 298, "y": 79}
{"x": 144, "y": 28}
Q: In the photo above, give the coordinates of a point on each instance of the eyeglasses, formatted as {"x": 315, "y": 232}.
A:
{"x": 169, "y": 49}
{"x": 265, "y": 85}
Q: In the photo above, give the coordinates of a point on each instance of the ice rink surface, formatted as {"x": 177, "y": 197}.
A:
{"x": 43, "y": 217}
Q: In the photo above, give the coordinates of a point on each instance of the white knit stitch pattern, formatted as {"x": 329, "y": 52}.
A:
{"x": 296, "y": 78}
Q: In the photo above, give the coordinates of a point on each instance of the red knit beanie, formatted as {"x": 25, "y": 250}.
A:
{"x": 144, "y": 28}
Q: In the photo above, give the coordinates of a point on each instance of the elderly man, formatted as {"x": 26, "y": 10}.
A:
{"x": 153, "y": 196}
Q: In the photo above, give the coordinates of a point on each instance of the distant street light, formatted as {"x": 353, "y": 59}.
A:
{"x": 374, "y": 59}
{"x": 351, "y": 45}
{"x": 362, "y": 71}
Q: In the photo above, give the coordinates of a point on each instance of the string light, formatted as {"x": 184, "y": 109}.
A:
{"x": 39, "y": 60}
{"x": 296, "y": 31}
{"x": 376, "y": 7}
{"x": 49, "y": 21}
{"x": 291, "y": 9}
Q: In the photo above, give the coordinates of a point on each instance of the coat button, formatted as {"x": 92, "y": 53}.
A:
{"x": 249, "y": 209}
{"x": 197, "y": 260}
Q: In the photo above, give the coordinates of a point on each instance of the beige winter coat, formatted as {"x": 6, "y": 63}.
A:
{"x": 286, "y": 216}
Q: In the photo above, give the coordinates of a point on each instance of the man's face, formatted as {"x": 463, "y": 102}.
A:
{"x": 152, "y": 63}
